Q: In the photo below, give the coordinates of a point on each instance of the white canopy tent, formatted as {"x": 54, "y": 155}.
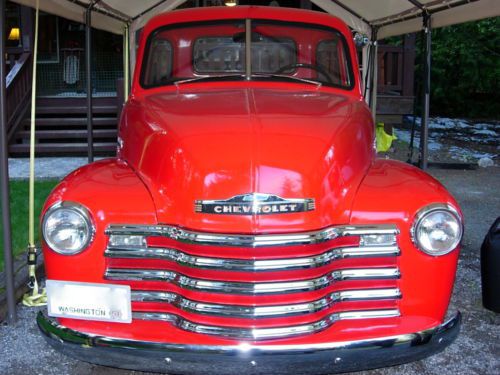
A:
{"x": 397, "y": 17}
{"x": 389, "y": 17}
{"x": 392, "y": 17}
{"x": 376, "y": 18}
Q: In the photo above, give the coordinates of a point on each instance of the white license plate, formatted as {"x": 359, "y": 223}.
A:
{"x": 89, "y": 301}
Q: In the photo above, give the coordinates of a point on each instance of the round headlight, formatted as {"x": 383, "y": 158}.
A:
{"x": 437, "y": 229}
{"x": 67, "y": 228}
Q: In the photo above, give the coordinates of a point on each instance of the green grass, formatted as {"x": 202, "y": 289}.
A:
{"x": 19, "y": 213}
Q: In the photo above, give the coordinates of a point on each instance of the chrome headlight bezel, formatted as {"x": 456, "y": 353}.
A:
{"x": 82, "y": 212}
{"x": 425, "y": 212}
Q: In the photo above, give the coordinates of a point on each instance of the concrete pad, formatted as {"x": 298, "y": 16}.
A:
{"x": 45, "y": 168}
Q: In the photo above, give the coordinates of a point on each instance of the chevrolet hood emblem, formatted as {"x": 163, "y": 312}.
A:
{"x": 254, "y": 204}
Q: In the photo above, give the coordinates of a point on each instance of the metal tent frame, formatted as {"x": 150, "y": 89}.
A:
{"x": 126, "y": 17}
{"x": 4, "y": 180}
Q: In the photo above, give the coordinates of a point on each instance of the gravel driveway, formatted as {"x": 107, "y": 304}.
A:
{"x": 476, "y": 351}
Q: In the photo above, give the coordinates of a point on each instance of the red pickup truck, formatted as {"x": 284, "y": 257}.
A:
{"x": 246, "y": 225}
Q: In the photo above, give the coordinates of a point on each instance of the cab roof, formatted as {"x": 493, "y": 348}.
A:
{"x": 242, "y": 12}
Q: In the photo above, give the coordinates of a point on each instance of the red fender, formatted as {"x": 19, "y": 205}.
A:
{"x": 393, "y": 192}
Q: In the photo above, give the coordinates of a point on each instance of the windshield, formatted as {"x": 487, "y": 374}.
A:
{"x": 218, "y": 50}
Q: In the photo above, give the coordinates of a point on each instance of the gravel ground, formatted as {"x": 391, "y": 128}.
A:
{"x": 476, "y": 351}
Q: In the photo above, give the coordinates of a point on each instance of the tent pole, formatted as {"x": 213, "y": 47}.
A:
{"x": 88, "y": 68}
{"x": 126, "y": 61}
{"x": 424, "y": 129}
{"x": 367, "y": 74}
{"x": 373, "y": 96}
{"x": 374, "y": 74}
{"x": 4, "y": 180}
{"x": 364, "y": 63}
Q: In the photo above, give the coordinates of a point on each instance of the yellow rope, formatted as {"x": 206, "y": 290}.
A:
{"x": 31, "y": 239}
{"x": 35, "y": 298}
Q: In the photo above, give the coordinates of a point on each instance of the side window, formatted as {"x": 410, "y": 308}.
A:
{"x": 331, "y": 56}
{"x": 159, "y": 69}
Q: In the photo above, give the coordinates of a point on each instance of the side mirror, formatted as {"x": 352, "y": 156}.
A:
{"x": 360, "y": 40}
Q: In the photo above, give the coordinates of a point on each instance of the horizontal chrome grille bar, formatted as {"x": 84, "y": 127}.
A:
{"x": 245, "y": 311}
{"x": 260, "y": 240}
{"x": 264, "y": 333}
{"x": 250, "y": 288}
{"x": 184, "y": 259}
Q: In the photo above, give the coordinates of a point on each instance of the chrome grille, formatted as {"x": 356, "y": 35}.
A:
{"x": 250, "y": 288}
{"x": 313, "y": 286}
{"x": 263, "y": 311}
{"x": 265, "y": 333}
{"x": 184, "y": 259}
{"x": 205, "y": 238}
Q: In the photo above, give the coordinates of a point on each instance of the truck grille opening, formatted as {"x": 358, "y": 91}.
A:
{"x": 256, "y": 287}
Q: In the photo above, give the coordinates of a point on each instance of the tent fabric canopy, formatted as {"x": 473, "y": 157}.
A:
{"x": 389, "y": 17}
{"x": 107, "y": 15}
{"x": 397, "y": 17}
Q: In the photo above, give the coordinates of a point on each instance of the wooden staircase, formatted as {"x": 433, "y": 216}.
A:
{"x": 61, "y": 128}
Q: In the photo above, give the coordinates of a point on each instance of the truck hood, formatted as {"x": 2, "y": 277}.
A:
{"x": 216, "y": 144}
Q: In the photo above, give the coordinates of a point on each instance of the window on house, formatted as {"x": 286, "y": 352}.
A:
{"x": 12, "y": 25}
{"x": 48, "y": 40}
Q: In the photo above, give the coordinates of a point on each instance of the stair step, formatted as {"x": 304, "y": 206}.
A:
{"x": 52, "y": 110}
{"x": 107, "y": 148}
{"x": 61, "y": 127}
{"x": 67, "y": 134}
{"x": 43, "y": 122}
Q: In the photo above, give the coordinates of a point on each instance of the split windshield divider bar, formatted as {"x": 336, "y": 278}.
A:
{"x": 248, "y": 49}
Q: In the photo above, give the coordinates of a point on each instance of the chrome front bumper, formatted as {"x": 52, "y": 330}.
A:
{"x": 325, "y": 358}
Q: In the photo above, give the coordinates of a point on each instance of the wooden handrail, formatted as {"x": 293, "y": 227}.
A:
{"x": 18, "y": 90}
{"x": 14, "y": 72}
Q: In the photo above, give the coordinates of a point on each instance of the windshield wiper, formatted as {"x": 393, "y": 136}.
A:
{"x": 291, "y": 78}
{"x": 223, "y": 77}
{"x": 208, "y": 78}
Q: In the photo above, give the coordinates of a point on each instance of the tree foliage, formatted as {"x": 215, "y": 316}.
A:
{"x": 465, "y": 70}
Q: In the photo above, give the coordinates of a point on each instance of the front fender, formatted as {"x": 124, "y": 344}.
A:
{"x": 112, "y": 193}
{"x": 393, "y": 192}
